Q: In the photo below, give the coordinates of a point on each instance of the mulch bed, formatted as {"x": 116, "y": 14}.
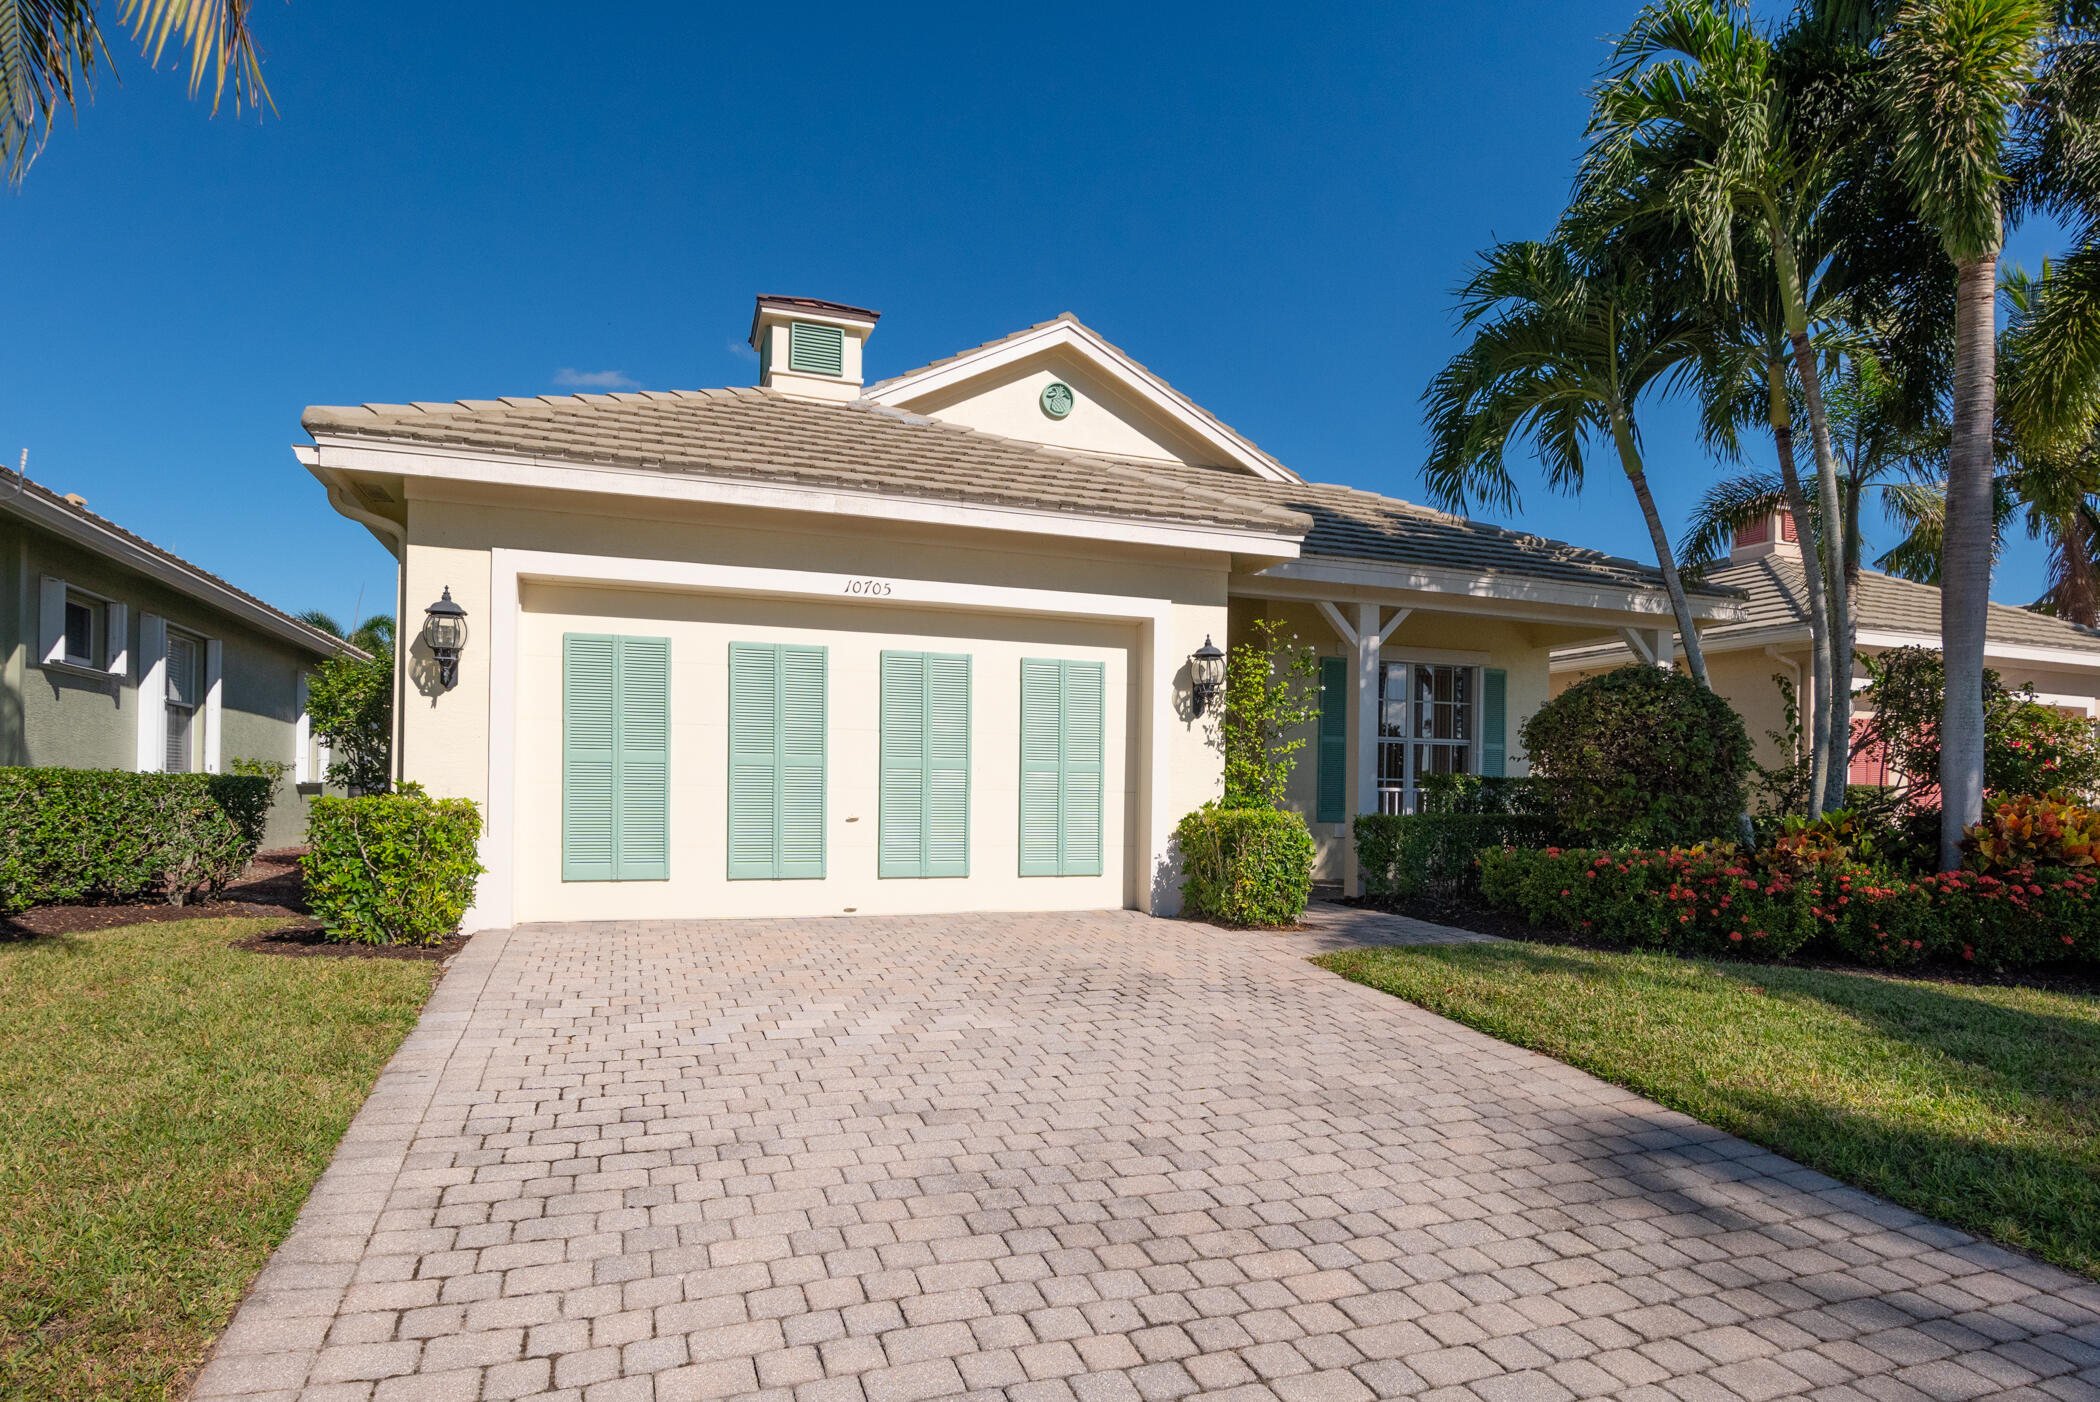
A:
{"x": 1485, "y": 920}
{"x": 270, "y": 889}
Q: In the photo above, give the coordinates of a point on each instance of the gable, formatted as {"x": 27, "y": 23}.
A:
{"x": 1118, "y": 408}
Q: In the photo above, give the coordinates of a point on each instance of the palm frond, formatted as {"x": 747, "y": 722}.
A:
{"x": 48, "y": 52}
{"x": 217, "y": 36}
{"x": 1722, "y": 512}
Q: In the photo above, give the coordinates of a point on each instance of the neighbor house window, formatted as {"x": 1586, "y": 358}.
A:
{"x": 84, "y": 630}
{"x": 1427, "y": 725}
{"x": 185, "y": 675}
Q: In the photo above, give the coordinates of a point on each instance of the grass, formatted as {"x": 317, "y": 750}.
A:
{"x": 1979, "y": 1106}
{"x": 168, "y": 1102}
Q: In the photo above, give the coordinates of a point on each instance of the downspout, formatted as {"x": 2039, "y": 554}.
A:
{"x": 394, "y": 536}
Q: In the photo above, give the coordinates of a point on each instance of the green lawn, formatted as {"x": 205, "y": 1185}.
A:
{"x": 167, "y": 1103}
{"x": 1976, "y": 1105}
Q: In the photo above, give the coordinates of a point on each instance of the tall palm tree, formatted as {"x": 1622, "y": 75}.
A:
{"x": 1566, "y": 341}
{"x": 1694, "y": 115}
{"x": 1954, "y": 71}
{"x": 2051, "y": 465}
{"x": 49, "y": 49}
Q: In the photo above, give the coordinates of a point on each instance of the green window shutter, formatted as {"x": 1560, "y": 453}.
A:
{"x": 1494, "y": 722}
{"x": 589, "y": 832}
{"x": 777, "y": 719}
{"x": 815, "y": 349}
{"x": 1042, "y": 744}
{"x": 1080, "y": 824}
{"x": 616, "y": 758}
{"x": 1062, "y": 745}
{"x": 643, "y": 756}
{"x": 1331, "y": 762}
{"x": 925, "y": 752}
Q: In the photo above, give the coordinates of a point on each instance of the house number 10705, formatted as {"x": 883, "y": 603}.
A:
{"x": 867, "y": 586}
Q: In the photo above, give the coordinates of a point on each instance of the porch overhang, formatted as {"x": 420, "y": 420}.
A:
{"x": 1598, "y": 607}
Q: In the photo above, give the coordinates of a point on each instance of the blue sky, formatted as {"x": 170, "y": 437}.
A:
{"x": 1268, "y": 205}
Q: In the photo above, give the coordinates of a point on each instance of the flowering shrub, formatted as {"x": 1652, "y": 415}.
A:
{"x": 2025, "y": 831}
{"x": 1717, "y": 901}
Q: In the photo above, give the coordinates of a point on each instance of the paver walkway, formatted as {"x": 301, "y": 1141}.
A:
{"x": 1094, "y": 1158}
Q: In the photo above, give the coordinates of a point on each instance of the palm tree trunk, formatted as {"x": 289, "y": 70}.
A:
{"x": 1841, "y": 650}
{"x": 1795, "y": 298}
{"x": 1782, "y": 412}
{"x": 1687, "y": 633}
{"x": 1965, "y": 562}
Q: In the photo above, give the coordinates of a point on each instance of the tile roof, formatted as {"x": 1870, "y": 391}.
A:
{"x": 1777, "y": 603}
{"x": 761, "y": 434}
{"x": 1352, "y": 524}
{"x": 14, "y": 487}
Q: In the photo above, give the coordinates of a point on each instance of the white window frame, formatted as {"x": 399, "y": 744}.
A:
{"x": 108, "y": 628}
{"x": 1405, "y": 797}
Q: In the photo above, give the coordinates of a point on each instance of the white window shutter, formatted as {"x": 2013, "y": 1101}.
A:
{"x": 302, "y": 740}
{"x": 153, "y": 693}
{"x": 51, "y": 610}
{"x": 213, "y": 710}
{"x": 116, "y": 621}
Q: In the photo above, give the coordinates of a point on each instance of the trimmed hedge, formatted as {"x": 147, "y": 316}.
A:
{"x": 1245, "y": 866}
{"x": 1436, "y": 854}
{"x": 72, "y": 835}
{"x": 1715, "y": 901}
{"x": 395, "y": 868}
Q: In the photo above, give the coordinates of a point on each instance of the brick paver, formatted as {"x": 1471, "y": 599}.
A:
{"x": 1092, "y": 1158}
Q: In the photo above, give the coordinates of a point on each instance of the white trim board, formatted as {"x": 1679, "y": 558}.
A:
{"x": 352, "y": 454}
{"x": 1388, "y": 577}
{"x": 495, "y": 902}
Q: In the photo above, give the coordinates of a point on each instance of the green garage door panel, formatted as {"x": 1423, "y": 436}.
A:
{"x": 1062, "y": 748}
{"x": 925, "y": 781}
{"x": 776, "y": 761}
{"x": 616, "y": 758}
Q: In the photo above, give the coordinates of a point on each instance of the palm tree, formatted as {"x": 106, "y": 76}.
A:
{"x": 1953, "y": 72}
{"x": 1566, "y": 340}
{"x": 2053, "y": 467}
{"x": 374, "y": 635}
{"x": 1695, "y": 117}
{"x": 49, "y": 48}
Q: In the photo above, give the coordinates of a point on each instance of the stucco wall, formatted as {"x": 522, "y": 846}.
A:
{"x": 1105, "y": 417}
{"x": 54, "y": 716}
{"x": 445, "y": 736}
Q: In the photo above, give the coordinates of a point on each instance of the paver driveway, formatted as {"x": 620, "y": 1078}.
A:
{"x": 1094, "y": 1157}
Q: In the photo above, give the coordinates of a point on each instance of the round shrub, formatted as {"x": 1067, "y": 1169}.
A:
{"x": 395, "y": 868}
{"x": 1641, "y": 756}
{"x": 1245, "y": 866}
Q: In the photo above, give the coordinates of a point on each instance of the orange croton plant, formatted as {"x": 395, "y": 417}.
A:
{"x": 2035, "y": 830}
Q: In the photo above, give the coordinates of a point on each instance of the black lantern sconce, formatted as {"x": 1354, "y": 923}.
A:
{"x": 1206, "y": 675}
{"x": 445, "y": 631}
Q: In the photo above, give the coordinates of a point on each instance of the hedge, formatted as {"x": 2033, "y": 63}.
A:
{"x": 1715, "y": 901}
{"x": 394, "y": 868}
{"x": 1436, "y": 854}
{"x": 1245, "y": 866}
{"x": 72, "y": 835}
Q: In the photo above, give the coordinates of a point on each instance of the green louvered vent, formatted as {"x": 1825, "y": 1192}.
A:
{"x": 816, "y": 350}
{"x": 925, "y": 782}
{"x": 616, "y": 758}
{"x": 776, "y": 761}
{"x": 1331, "y": 761}
{"x": 1061, "y": 767}
{"x": 1494, "y": 722}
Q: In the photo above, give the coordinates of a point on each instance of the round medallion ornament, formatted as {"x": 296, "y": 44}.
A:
{"x": 1057, "y": 399}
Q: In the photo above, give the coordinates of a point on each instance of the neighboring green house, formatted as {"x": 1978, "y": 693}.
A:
{"x": 119, "y": 655}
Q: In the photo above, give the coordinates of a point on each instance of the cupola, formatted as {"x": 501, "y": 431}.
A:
{"x": 810, "y": 348}
{"x": 1770, "y": 534}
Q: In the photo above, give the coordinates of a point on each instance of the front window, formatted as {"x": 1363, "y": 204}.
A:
{"x": 183, "y": 676}
{"x": 1426, "y": 726}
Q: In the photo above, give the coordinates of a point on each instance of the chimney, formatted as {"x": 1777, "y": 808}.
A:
{"x": 1771, "y": 534}
{"x": 809, "y": 348}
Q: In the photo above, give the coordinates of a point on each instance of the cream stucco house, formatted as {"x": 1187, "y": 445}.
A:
{"x": 2058, "y": 661}
{"x": 823, "y": 645}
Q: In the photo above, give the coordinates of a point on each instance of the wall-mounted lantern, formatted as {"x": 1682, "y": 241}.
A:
{"x": 445, "y": 632}
{"x": 1206, "y": 674}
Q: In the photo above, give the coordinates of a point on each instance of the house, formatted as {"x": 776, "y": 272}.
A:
{"x": 121, "y": 655}
{"x": 2058, "y": 661}
{"x": 918, "y": 645}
